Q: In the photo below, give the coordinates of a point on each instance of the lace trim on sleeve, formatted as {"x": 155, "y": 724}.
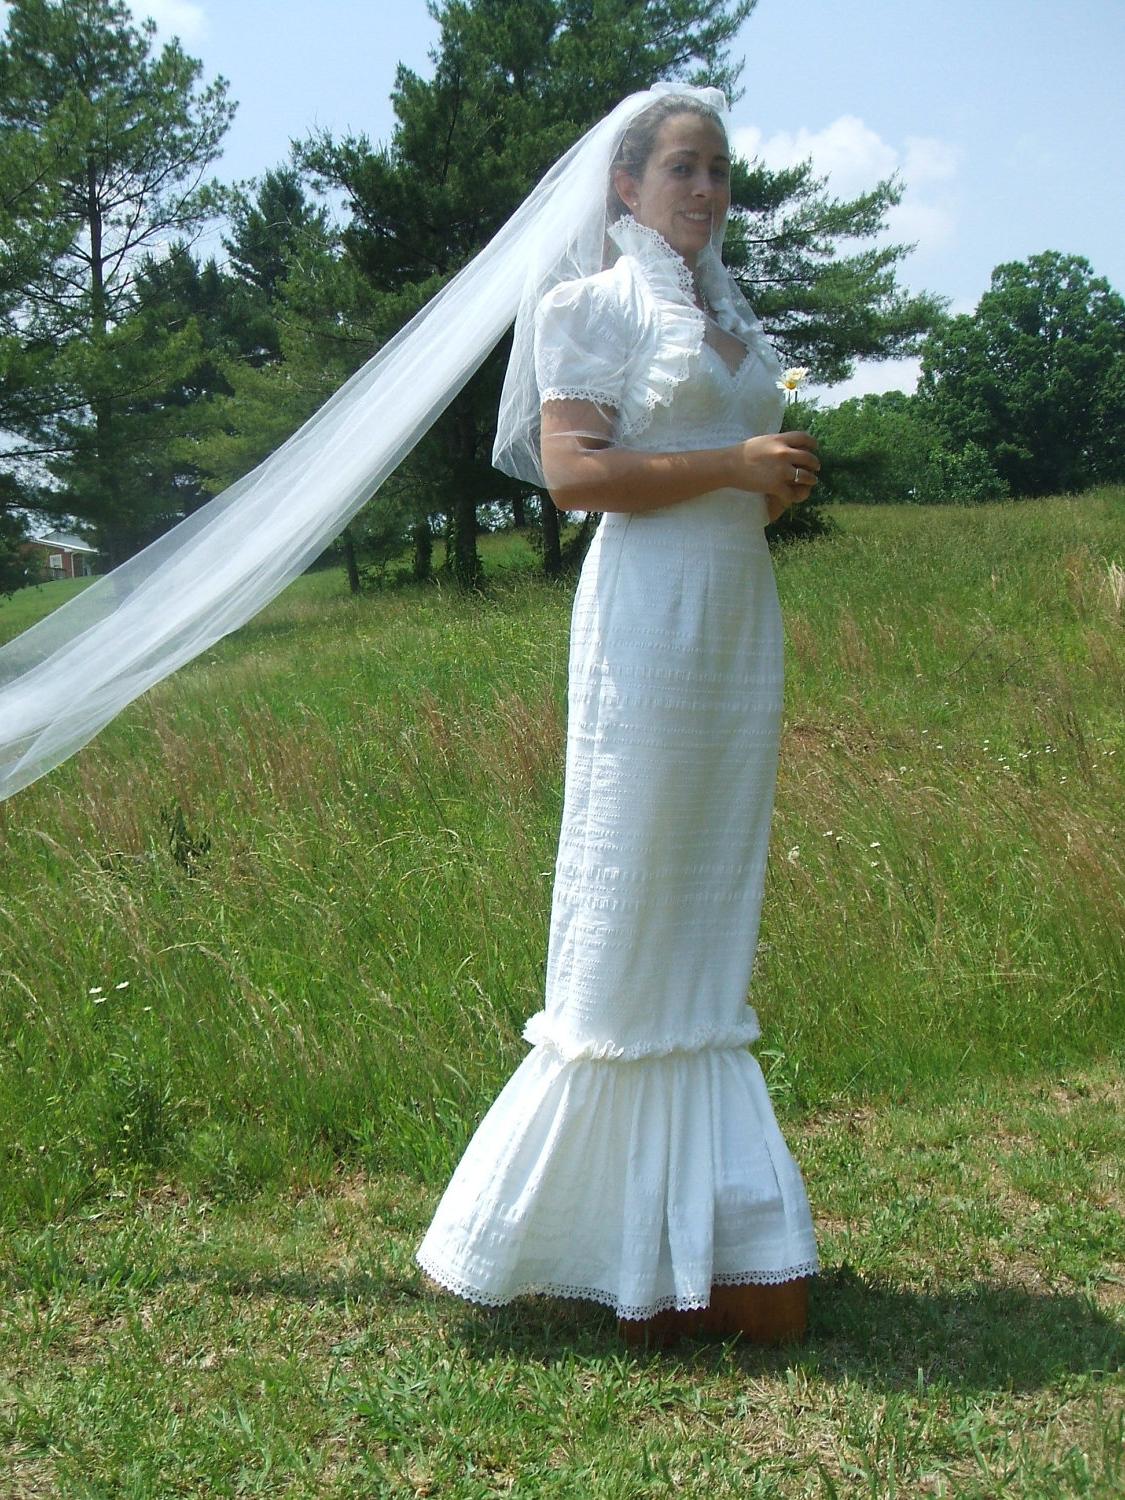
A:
{"x": 578, "y": 393}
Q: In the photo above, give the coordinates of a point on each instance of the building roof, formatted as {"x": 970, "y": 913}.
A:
{"x": 65, "y": 539}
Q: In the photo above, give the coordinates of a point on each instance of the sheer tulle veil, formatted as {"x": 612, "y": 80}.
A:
{"x": 66, "y": 677}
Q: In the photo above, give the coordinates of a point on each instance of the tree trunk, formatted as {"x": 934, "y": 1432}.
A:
{"x": 116, "y": 537}
{"x": 552, "y": 546}
{"x": 464, "y": 557}
{"x": 350, "y": 562}
{"x": 423, "y": 550}
{"x": 576, "y": 547}
{"x": 519, "y": 517}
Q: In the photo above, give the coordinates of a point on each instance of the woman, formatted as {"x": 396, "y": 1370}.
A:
{"x": 633, "y": 1157}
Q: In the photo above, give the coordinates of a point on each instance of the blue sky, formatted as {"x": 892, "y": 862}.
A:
{"x": 1005, "y": 118}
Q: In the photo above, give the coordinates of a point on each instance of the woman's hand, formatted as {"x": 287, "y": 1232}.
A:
{"x": 776, "y": 504}
{"x": 771, "y": 464}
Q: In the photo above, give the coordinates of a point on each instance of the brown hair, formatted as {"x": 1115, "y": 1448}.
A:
{"x": 639, "y": 140}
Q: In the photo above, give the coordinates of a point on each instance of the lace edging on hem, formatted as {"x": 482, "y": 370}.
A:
{"x": 461, "y": 1288}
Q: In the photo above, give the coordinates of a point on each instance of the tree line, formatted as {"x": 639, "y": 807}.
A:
{"x": 138, "y": 379}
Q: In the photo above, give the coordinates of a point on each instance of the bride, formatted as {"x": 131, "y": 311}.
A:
{"x": 633, "y": 1158}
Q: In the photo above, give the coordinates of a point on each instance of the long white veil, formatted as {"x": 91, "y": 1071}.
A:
{"x": 62, "y": 680}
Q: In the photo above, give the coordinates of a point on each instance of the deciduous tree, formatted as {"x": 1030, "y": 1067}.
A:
{"x": 1035, "y": 376}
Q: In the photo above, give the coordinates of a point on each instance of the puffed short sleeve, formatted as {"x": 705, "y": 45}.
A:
{"x": 582, "y": 347}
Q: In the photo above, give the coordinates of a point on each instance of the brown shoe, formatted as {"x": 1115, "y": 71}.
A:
{"x": 766, "y": 1313}
{"x": 662, "y": 1329}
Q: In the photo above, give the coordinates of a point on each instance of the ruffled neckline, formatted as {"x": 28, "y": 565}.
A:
{"x": 668, "y": 272}
{"x": 674, "y": 285}
{"x": 682, "y": 324}
{"x": 655, "y": 254}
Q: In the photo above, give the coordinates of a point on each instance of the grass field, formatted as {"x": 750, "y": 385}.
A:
{"x": 267, "y": 945}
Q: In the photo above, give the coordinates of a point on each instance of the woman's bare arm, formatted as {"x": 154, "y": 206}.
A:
{"x": 586, "y": 471}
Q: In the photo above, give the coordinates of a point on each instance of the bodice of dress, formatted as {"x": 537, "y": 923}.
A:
{"x": 714, "y": 406}
{"x": 632, "y": 337}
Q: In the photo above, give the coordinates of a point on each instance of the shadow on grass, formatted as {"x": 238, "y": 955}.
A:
{"x": 984, "y": 1338}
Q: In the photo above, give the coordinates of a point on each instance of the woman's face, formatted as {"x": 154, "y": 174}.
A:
{"x": 684, "y": 189}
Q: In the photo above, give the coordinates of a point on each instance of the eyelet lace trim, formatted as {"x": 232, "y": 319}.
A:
{"x": 680, "y": 323}
{"x": 577, "y": 393}
{"x": 653, "y": 252}
{"x": 462, "y": 1288}
{"x": 537, "y": 1031}
{"x": 652, "y": 243}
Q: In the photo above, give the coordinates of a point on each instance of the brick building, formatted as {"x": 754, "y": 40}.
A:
{"x": 61, "y": 553}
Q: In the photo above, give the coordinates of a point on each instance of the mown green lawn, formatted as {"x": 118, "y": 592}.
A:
{"x": 267, "y": 945}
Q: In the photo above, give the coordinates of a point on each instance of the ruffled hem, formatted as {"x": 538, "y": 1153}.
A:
{"x": 641, "y": 1187}
{"x": 454, "y": 1283}
{"x": 540, "y": 1033}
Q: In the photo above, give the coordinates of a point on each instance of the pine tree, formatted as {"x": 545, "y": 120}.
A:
{"x": 515, "y": 82}
{"x": 135, "y": 134}
{"x": 270, "y": 226}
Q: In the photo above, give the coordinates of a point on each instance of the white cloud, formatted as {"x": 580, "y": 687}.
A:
{"x": 930, "y": 226}
{"x": 927, "y": 159}
{"x": 182, "y": 18}
{"x": 853, "y": 158}
{"x": 847, "y": 150}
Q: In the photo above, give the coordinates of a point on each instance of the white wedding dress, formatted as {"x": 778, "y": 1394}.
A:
{"x": 633, "y": 1157}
